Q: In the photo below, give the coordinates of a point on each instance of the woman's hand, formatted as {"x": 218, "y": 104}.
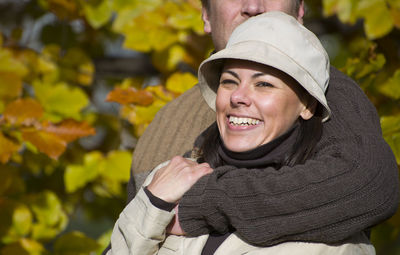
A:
{"x": 174, "y": 228}
{"x": 173, "y": 180}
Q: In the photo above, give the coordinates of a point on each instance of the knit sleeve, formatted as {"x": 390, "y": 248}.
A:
{"x": 349, "y": 185}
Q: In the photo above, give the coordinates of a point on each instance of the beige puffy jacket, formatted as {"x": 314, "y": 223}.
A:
{"x": 140, "y": 230}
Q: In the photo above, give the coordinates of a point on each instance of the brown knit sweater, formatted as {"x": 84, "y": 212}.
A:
{"x": 349, "y": 185}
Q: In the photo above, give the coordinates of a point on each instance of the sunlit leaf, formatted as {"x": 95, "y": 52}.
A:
{"x": 9, "y": 64}
{"x": 21, "y": 221}
{"x": 142, "y": 114}
{"x": 69, "y": 130}
{"x": 98, "y": 15}
{"x": 45, "y": 142}
{"x": 77, "y": 176}
{"x": 7, "y": 148}
{"x": 346, "y": 10}
{"x": 60, "y": 100}
{"x": 391, "y": 88}
{"x": 117, "y": 166}
{"x": 75, "y": 243}
{"x": 12, "y": 72}
{"x": 391, "y": 133}
{"x": 168, "y": 59}
{"x": 23, "y": 111}
{"x": 10, "y": 85}
{"x": 377, "y": 18}
{"x": 161, "y": 93}
{"x": 180, "y": 82}
{"x": 130, "y": 96}
{"x": 24, "y": 246}
{"x": 104, "y": 241}
{"x": 184, "y": 15}
{"x": 51, "y": 219}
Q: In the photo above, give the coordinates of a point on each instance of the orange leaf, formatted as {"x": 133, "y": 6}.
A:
{"x": 130, "y": 96}
{"x": 7, "y": 148}
{"x": 69, "y": 130}
{"x": 23, "y": 111}
{"x": 47, "y": 143}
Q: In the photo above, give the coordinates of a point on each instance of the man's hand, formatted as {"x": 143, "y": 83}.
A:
{"x": 173, "y": 180}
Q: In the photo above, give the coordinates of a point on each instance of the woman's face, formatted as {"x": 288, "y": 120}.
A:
{"x": 256, "y": 103}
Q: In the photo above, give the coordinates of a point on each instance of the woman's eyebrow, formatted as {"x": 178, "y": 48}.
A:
{"x": 256, "y": 75}
{"x": 232, "y": 73}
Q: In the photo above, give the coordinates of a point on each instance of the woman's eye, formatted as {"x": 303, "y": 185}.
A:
{"x": 227, "y": 81}
{"x": 264, "y": 84}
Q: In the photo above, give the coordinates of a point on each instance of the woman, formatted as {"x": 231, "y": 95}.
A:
{"x": 269, "y": 100}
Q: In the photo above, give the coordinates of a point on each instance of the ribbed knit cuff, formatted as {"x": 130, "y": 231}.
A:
{"x": 190, "y": 206}
{"x": 200, "y": 202}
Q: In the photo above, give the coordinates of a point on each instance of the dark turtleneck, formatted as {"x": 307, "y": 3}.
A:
{"x": 272, "y": 153}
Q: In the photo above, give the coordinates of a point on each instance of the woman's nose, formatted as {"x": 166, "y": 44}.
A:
{"x": 240, "y": 97}
{"x": 252, "y": 7}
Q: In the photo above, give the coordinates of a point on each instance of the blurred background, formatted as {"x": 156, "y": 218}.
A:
{"x": 80, "y": 80}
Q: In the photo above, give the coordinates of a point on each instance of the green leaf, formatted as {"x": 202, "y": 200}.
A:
{"x": 390, "y": 125}
{"x": 377, "y": 18}
{"x": 75, "y": 243}
{"x": 24, "y": 247}
{"x": 98, "y": 15}
{"x": 167, "y": 60}
{"x": 77, "y": 176}
{"x": 60, "y": 101}
{"x": 391, "y": 88}
{"x": 117, "y": 166}
{"x": 391, "y": 134}
{"x": 180, "y": 82}
{"x": 51, "y": 219}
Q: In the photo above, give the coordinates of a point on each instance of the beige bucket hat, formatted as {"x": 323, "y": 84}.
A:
{"x": 275, "y": 39}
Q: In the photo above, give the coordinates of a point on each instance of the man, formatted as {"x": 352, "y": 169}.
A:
{"x": 349, "y": 186}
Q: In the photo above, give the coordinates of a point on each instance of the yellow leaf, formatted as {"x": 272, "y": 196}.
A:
{"x": 69, "y": 130}
{"x": 45, "y": 142}
{"x": 168, "y": 59}
{"x": 23, "y": 111}
{"x": 138, "y": 115}
{"x": 395, "y": 12}
{"x": 391, "y": 87}
{"x": 9, "y": 64}
{"x": 130, "y": 96}
{"x": 180, "y": 82}
{"x": 98, "y": 15}
{"x": 77, "y": 176}
{"x": 7, "y": 148}
{"x": 22, "y": 220}
{"x": 161, "y": 93}
{"x": 60, "y": 100}
{"x": 377, "y": 18}
{"x": 10, "y": 86}
{"x": 118, "y": 165}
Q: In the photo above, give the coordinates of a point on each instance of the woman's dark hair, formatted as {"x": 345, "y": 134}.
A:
{"x": 310, "y": 132}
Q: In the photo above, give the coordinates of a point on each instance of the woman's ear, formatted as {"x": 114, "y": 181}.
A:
{"x": 309, "y": 111}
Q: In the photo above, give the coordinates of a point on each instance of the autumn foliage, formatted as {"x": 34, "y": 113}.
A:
{"x": 67, "y": 131}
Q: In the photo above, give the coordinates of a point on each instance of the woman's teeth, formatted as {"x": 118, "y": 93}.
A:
{"x": 243, "y": 121}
